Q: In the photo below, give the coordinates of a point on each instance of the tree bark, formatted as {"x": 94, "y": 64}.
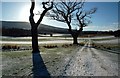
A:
{"x": 34, "y": 39}
{"x": 75, "y": 41}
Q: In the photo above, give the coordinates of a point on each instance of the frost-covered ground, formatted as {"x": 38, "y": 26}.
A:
{"x": 112, "y": 41}
{"x": 80, "y": 61}
{"x": 29, "y": 42}
{"x": 92, "y": 62}
{"x": 52, "y": 40}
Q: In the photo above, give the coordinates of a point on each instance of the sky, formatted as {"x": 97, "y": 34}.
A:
{"x": 105, "y": 19}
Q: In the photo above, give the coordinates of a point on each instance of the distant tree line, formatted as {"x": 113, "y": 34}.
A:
{"x": 117, "y": 33}
{"x": 15, "y": 32}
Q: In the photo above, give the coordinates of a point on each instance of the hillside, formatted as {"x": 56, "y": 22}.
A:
{"x": 12, "y": 27}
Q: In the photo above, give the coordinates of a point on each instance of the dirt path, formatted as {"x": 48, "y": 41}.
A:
{"x": 89, "y": 61}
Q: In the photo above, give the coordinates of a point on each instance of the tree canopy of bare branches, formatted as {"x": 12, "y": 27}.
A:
{"x": 73, "y": 14}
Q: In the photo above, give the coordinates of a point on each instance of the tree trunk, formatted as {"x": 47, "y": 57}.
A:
{"x": 34, "y": 39}
{"x": 75, "y": 40}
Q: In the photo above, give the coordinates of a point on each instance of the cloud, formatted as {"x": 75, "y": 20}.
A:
{"x": 116, "y": 23}
{"x": 101, "y": 28}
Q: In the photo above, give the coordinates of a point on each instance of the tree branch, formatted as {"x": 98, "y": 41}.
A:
{"x": 45, "y": 11}
{"x": 31, "y": 18}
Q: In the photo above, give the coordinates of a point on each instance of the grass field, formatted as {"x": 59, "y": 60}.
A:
{"x": 39, "y": 39}
{"x": 19, "y": 63}
{"x": 107, "y": 44}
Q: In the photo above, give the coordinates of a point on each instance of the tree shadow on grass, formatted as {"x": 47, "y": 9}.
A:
{"x": 39, "y": 68}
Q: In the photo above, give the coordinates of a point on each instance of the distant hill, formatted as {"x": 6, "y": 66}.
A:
{"x": 14, "y": 28}
{"x": 25, "y": 25}
{"x": 15, "y": 24}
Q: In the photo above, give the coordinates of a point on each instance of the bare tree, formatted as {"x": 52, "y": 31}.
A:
{"x": 34, "y": 26}
{"x": 72, "y": 14}
{"x": 39, "y": 68}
